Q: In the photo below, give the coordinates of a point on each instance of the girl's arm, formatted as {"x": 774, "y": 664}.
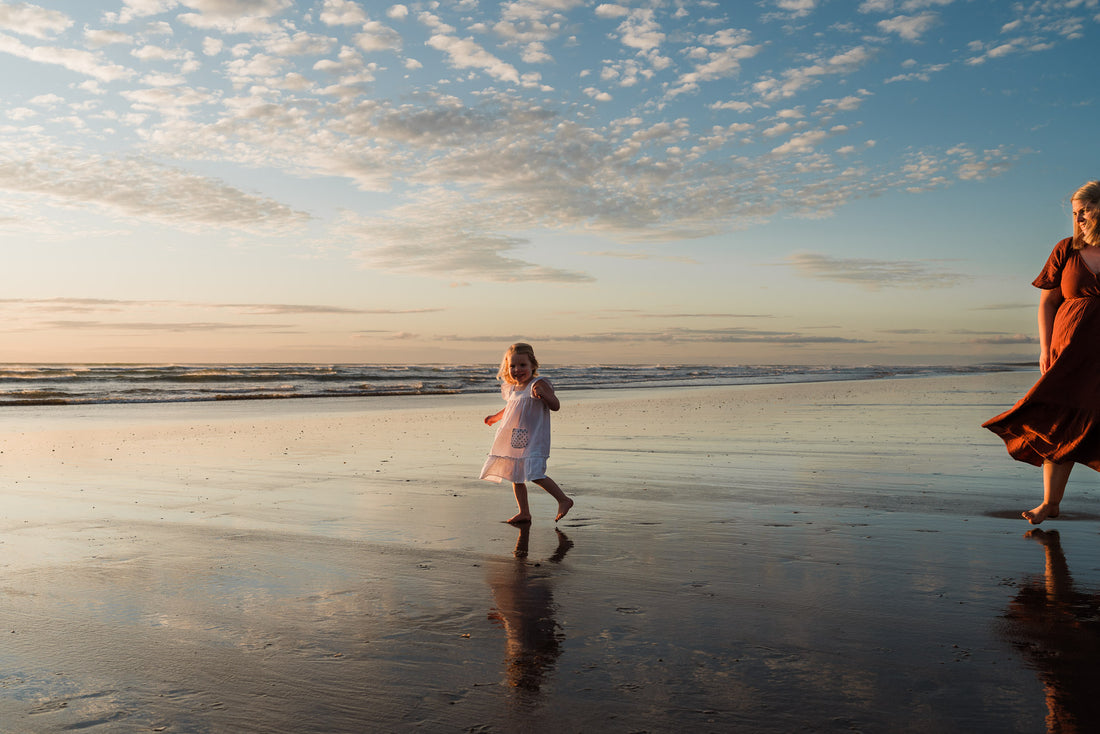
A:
{"x": 491, "y": 419}
{"x": 544, "y": 391}
{"x": 1049, "y": 301}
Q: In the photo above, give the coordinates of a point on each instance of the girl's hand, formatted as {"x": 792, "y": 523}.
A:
{"x": 544, "y": 391}
{"x": 491, "y": 419}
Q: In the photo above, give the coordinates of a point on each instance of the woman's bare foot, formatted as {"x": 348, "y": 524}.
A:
{"x": 563, "y": 508}
{"x": 519, "y": 518}
{"x": 1040, "y": 513}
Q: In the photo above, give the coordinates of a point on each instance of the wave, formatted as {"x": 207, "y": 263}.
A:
{"x": 81, "y": 384}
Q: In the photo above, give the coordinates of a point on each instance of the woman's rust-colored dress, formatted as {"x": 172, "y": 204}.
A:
{"x": 1059, "y": 418}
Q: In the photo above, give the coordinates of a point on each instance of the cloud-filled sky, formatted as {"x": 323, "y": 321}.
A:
{"x": 779, "y": 181}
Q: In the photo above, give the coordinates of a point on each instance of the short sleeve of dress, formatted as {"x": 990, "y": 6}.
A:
{"x": 1051, "y": 275}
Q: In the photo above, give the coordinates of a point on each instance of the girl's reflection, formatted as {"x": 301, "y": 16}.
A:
{"x": 524, "y": 607}
{"x": 1057, "y": 627}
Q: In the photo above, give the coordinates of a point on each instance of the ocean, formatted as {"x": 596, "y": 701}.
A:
{"x": 82, "y": 384}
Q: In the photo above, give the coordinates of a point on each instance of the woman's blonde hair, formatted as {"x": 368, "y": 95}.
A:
{"x": 518, "y": 348}
{"x": 1089, "y": 195}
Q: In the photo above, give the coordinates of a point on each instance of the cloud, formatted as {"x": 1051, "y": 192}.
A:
{"x": 717, "y": 64}
{"x": 378, "y": 37}
{"x": 873, "y": 274}
{"x": 1004, "y": 339}
{"x": 139, "y": 187}
{"x": 315, "y": 310}
{"x": 796, "y": 80}
{"x": 163, "y": 326}
{"x": 94, "y": 305}
{"x": 924, "y": 170}
{"x": 608, "y": 10}
{"x": 1004, "y": 306}
{"x": 133, "y": 9}
{"x": 81, "y": 305}
{"x": 468, "y": 54}
{"x": 797, "y": 8}
{"x": 444, "y": 251}
{"x": 909, "y": 27}
{"x": 97, "y": 38}
{"x": 32, "y": 20}
{"x": 731, "y": 335}
{"x": 922, "y": 75}
{"x": 75, "y": 60}
{"x": 234, "y": 16}
{"x": 801, "y": 143}
{"x": 850, "y": 103}
{"x": 342, "y": 12}
{"x": 641, "y": 30}
{"x": 531, "y": 24}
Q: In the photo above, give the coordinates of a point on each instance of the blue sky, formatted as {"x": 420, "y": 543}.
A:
{"x": 782, "y": 181}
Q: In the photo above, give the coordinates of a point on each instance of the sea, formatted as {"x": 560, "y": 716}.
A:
{"x": 83, "y": 384}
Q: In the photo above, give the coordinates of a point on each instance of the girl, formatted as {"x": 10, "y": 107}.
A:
{"x": 522, "y": 442}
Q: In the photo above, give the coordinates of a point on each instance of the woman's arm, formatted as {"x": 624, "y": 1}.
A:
{"x": 1049, "y": 301}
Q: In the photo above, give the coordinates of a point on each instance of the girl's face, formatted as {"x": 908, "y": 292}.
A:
{"x": 1086, "y": 220}
{"x": 520, "y": 368}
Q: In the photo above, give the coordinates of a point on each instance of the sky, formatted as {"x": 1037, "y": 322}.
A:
{"x": 656, "y": 181}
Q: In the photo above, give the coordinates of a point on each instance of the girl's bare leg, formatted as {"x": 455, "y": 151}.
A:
{"x": 524, "y": 514}
{"x": 564, "y": 503}
{"x": 1055, "y": 477}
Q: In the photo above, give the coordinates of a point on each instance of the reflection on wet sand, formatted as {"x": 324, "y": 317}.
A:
{"x": 524, "y": 606}
{"x": 1057, "y": 627}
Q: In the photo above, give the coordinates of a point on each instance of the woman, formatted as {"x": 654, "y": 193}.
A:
{"x": 1057, "y": 424}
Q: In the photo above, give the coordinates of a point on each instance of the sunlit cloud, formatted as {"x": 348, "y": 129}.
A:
{"x": 79, "y": 61}
{"x": 138, "y": 187}
{"x": 158, "y": 326}
{"x": 234, "y": 16}
{"x": 873, "y": 274}
{"x": 32, "y": 20}
{"x": 909, "y": 27}
{"x": 999, "y": 339}
{"x": 313, "y": 310}
{"x": 732, "y": 335}
{"x": 90, "y": 305}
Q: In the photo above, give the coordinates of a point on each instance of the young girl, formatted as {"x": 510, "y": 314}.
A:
{"x": 522, "y": 442}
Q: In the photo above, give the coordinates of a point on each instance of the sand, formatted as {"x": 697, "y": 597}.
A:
{"x": 821, "y": 557}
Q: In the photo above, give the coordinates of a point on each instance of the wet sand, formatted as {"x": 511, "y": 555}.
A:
{"x": 823, "y": 557}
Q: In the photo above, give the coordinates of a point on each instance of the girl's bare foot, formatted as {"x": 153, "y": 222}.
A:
{"x": 563, "y": 508}
{"x": 519, "y": 518}
{"x": 1040, "y": 513}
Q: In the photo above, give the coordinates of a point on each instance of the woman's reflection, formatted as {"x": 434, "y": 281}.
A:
{"x": 524, "y": 607}
{"x": 1057, "y": 627}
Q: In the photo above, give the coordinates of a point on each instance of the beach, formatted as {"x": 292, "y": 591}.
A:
{"x": 832, "y": 556}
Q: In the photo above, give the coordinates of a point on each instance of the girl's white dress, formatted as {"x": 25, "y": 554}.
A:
{"x": 522, "y": 443}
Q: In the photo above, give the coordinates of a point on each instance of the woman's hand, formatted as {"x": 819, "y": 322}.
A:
{"x": 1049, "y": 303}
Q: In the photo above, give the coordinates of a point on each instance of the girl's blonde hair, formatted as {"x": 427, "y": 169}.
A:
{"x": 1089, "y": 195}
{"x": 504, "y": 373}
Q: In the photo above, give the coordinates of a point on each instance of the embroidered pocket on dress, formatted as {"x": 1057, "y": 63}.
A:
{"x": 519, "y": 438}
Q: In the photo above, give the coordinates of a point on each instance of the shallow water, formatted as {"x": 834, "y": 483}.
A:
{"x": 769, "y": 559}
